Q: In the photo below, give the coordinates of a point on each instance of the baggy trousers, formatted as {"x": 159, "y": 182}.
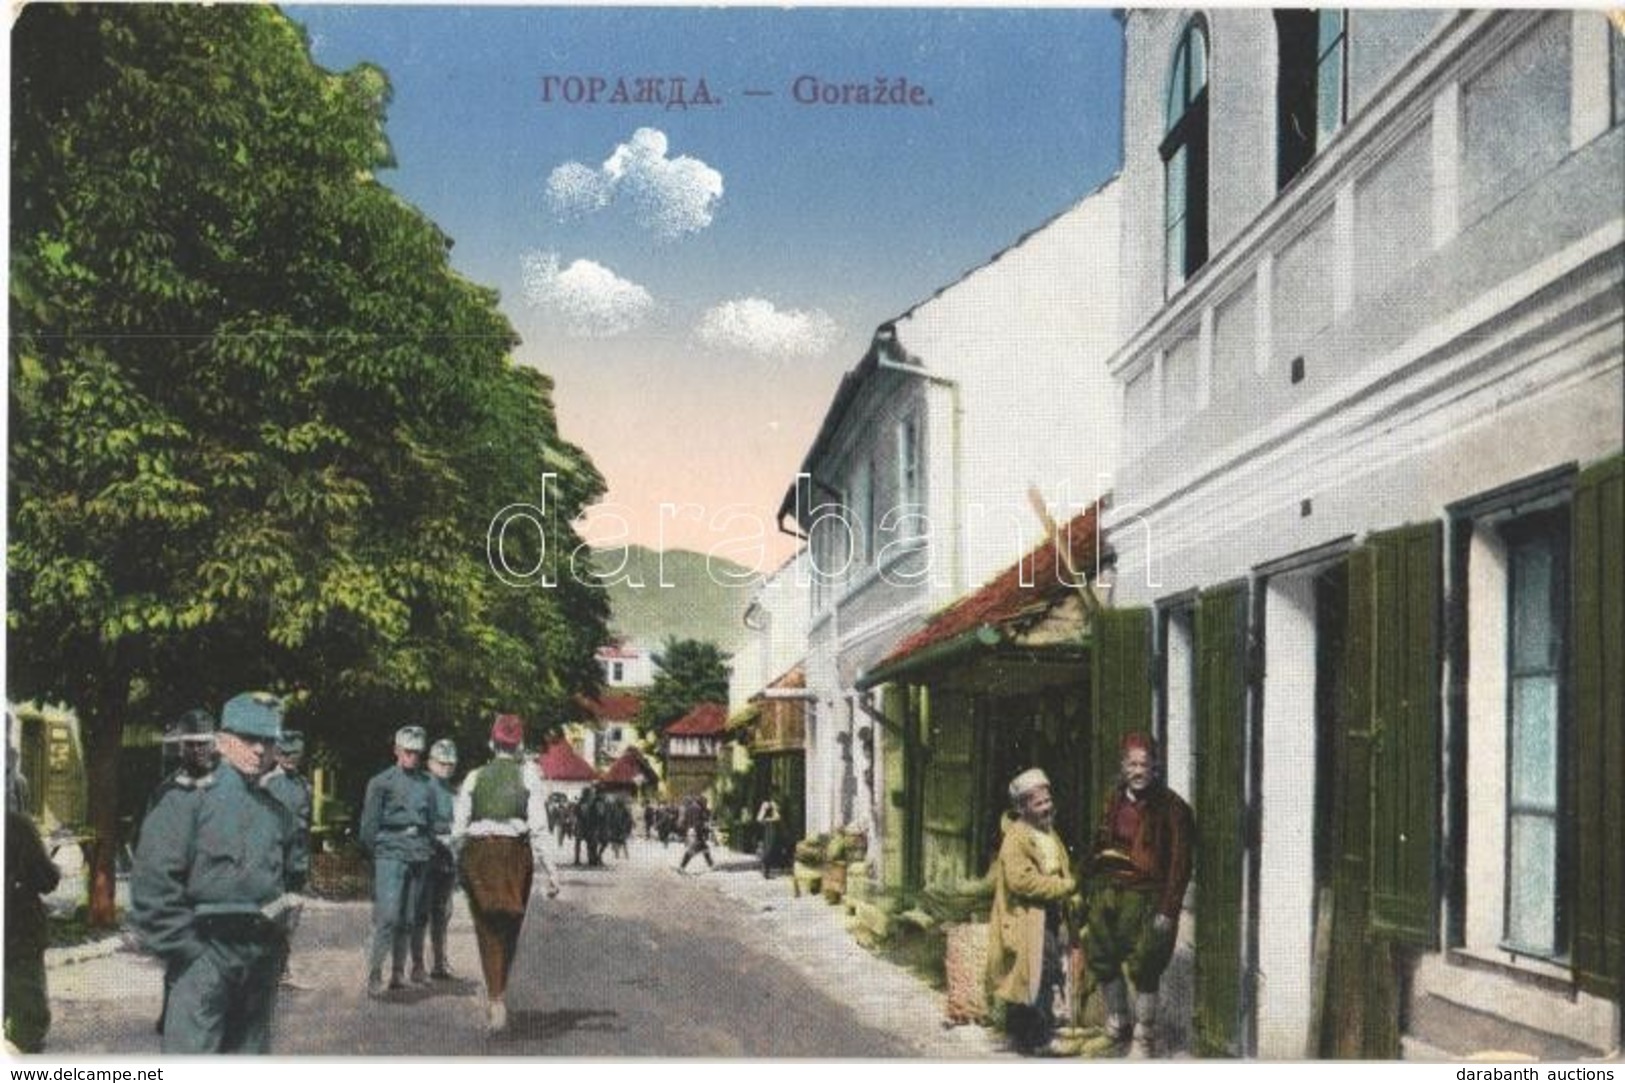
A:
{"x": 397, "y": 899}
{"x": 497, "y": 874}
{"x": 223, "y": 1001}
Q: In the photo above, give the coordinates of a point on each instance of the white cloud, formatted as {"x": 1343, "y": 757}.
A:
{"x": 668, "y": 196}
{"x": 756, "y": 325}
{"x": 595, "y": 301}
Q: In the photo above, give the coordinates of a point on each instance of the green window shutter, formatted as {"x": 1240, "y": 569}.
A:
{"x": 1598, "y": 733}
{"x": 1405, "y": 735}
{"x": 899, "y": 759}
{"x": 1121, "y": 691}
{"x": 1221, "y": 727}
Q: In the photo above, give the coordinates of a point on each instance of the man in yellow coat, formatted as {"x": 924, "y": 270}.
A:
{"x": 1027, "y": 934}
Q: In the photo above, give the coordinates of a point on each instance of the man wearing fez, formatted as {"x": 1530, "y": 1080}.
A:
{"x": 206, "y": 893}
{"x": 1140, "y": 867}
{"x": 1027, "y": 932}
{"x": 500, "y": 827}
{"x": 397, "y": 822}
{"x": 435, "y": 917}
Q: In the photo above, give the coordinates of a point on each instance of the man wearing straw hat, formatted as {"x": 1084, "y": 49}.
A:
{"x": 499, "y": 827}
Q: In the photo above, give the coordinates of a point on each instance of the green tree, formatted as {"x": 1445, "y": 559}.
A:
{"x": 689, "y": 672}
{"x": 258, "y": 425}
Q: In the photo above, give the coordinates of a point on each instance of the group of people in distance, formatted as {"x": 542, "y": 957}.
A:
{"x": 224, "y": 857}
{"x": 1123, "y": 909}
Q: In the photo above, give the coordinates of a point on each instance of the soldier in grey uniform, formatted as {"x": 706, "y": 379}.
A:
{"x": 287, "y": 784}
{"x": 206, "y": 894}
{"x": 397, "y": 824}
{"x": 435, "y": 916}
{"x": 189, "y": 743}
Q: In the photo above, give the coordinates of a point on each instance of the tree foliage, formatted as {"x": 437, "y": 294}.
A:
{"x": 258, "y": 425}
{"x": 688, "y": 672}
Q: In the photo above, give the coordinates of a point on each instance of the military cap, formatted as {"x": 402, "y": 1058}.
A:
{"x": 291, "y": 743}
{"x": 444, "y": 751}
{"x": 253, "y": 714}
{"x": 411, "y": 738}
{"x": 195, "y": 725}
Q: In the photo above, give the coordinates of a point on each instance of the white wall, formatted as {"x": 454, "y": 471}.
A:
{"x": 1026, "y": 338}
{"x": 1287, "y": 854}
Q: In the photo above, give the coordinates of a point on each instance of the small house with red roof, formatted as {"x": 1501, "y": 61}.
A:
{"x": 563, "y": 770}
{"x": 993, "y": 684}
{"x": 630, "y": 773}
{"x": 690, "y": 746}
{"x": 604, "y": 726}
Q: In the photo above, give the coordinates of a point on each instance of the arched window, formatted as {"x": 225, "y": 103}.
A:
{"x": 1311, "y": 90}
{"x": 1184, "y": 158}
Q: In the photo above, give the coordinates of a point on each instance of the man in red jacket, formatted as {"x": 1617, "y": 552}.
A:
{"x": 1140, "y": 867}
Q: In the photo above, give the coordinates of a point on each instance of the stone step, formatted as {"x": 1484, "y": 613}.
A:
{"x": 1458, "y": 1032}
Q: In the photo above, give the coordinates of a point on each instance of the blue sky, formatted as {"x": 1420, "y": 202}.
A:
{"x": 697, "y": 280}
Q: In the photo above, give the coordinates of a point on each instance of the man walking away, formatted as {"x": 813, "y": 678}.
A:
{"x": 499, "y": 827}
{"x": 696, "y": 821}
{"x": 207, "y": 891}
{"x": 1027, "y": 933}
{"x": 1140, "y": 867}
{"x": 442, "y": 884}
{"x": 396, "y": 823}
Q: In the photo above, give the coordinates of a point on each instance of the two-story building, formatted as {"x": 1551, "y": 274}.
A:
{"x": 920, "y": 484}
{"x": 1368, "y": 517}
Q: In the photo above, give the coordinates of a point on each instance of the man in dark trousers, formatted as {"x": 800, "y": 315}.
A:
{"x": 1140, "y": 867}
{"x": 207, "y": 891}
{"x": 499, "y": 828}
{"x": 190, "y": 740}
{"x": 287, "y": 783}
{"x": 696, "y": 820}
{"x": 397, "y": 822}
{"x": 30, "y": 873}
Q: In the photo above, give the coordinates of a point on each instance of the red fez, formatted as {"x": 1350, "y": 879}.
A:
{"x": 508, "y": 731}
{"x": 1137, "y": 740}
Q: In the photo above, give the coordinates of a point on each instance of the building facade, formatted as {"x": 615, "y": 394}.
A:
{"x": 1367, "y": 515}
{"x": 920, "y": 484}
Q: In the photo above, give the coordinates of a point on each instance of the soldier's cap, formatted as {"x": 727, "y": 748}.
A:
{"x": 444, "y": 751}
{"x": 411, "y": 738}
{"x": 1026, "y": 782}
{"x": 508, "y": 731}
{"x": 195, "y": 725}
{"x": 253, "y": 714}
{"x": 291, "y": 743}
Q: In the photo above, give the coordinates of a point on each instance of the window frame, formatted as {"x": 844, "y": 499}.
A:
{"x": 1187, "y": 133}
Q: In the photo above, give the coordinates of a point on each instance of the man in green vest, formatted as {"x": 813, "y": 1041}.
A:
{"x": 1140, "y": 867}
{"x": 442, "y": 877}
{"x": 499, "y": 826}
{"x": 397, "y": 823}
{"x": 207, "y": 890}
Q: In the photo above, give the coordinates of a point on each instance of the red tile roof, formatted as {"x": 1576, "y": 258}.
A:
{"x": 611, "y": 706}
{"x": 629, "y": 768}
{"x": 560, "y": 763}
{"x": 1005, "y": 598}
{"x": 706, "y": 720}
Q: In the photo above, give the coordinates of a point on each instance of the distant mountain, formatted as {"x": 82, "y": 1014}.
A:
{"x": 706, "y": 599}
